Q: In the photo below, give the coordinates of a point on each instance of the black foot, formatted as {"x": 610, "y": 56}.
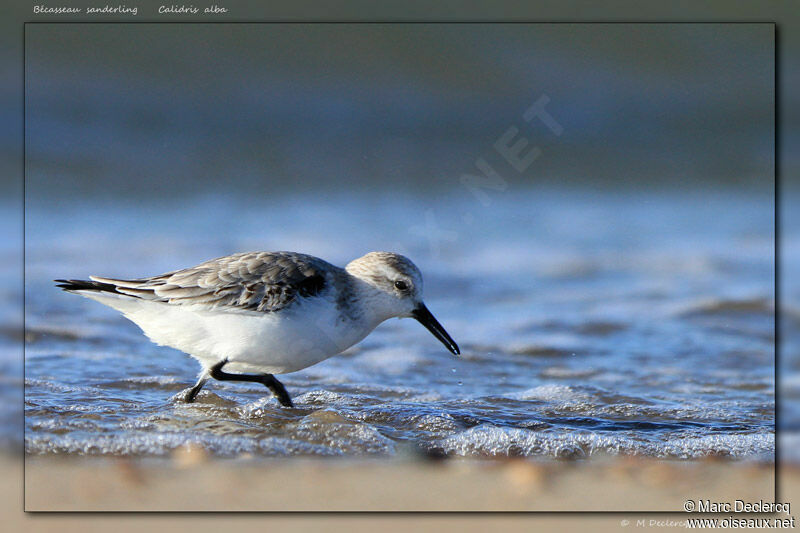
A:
{"x": 268, "y": 380}
{"x": 192, "y": 393}
{"x": 278, "y": 390}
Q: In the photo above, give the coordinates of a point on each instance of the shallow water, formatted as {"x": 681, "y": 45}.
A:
{"x": 590, "y": 324}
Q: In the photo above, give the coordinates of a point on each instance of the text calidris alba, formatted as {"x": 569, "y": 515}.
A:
{"x": 266, "y": 312}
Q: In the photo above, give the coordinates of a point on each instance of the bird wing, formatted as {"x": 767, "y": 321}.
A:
{"x": 254, "y": 281}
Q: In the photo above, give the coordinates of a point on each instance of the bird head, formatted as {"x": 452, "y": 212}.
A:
{"x": 394, "y": 289}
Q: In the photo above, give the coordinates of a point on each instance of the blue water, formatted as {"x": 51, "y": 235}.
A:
{"x": 591, "y": 323}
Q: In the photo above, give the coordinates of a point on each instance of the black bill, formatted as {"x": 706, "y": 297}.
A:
{"x": 425, "y": 318}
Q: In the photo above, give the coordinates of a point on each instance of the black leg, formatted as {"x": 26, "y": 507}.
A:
{"x": 192, "y": 394}
{"x": 268, "y": 380}
{"x": 278, "y": 390}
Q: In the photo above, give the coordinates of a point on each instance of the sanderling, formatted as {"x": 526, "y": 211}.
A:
{"x": 266, "y": 312}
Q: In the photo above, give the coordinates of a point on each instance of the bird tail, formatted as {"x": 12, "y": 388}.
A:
{"x": 85, "y": 285}
{"x": 103, "y": 292}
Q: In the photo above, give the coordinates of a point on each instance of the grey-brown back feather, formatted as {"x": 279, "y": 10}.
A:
{"x": 256, "y": 281}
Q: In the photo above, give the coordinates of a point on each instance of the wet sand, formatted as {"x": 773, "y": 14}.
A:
{"x": 192, "y": 482}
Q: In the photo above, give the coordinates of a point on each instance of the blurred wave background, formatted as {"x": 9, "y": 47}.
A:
{"x": 138, "y": 111}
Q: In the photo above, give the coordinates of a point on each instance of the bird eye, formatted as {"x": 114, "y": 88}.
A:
{"x": 401, "y": 285}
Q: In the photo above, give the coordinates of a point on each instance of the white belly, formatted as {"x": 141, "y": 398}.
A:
{"x": 275, "y": 343}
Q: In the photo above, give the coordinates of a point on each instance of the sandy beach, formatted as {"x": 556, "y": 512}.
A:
{"x": 637, "y": 489}
{"x": 192, "y": 482}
